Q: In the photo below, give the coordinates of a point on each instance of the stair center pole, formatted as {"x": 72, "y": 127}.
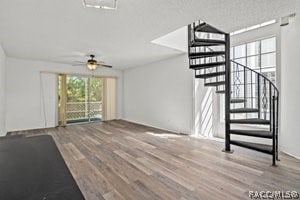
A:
{"x": 227, "y": 93}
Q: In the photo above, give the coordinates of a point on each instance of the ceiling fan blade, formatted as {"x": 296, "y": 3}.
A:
{"x": 103, "y": 65}
{"x": 78, "y": 64}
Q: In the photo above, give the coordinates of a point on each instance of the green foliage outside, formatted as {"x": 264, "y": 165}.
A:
{"x": 77, "y": 89}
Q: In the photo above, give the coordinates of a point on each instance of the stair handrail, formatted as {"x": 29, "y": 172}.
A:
{"x": 248, "y": 68}
{"x": 259, "y": 74}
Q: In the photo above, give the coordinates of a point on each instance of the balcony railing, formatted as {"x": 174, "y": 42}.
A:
{"x": 84, "y": 110}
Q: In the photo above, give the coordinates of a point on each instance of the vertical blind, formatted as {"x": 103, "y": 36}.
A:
{"x": 109, "y": 98}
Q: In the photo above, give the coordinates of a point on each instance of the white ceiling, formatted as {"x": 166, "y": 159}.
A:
{"x": 53, "y": 29}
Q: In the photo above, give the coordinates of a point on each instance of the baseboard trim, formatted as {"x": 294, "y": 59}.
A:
{"x": 217, "y": 139}
{"x": 297, "y": 157}
{"x": 152, "y": 126}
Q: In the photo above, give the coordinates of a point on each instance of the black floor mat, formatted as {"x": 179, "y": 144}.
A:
{"x": 33, "y": 169}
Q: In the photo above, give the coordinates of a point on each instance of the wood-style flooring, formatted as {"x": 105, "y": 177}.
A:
{"x": 122, "y": 160}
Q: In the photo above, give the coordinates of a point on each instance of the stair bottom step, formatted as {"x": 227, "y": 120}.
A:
{"x": 253, "y": 133}
{"x": 264, "y": 148}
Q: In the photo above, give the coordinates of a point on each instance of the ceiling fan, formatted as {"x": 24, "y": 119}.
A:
{"x": 91, "y": 63}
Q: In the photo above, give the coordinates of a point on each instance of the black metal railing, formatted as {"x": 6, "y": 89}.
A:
{"x": 259, "y": 92}
{"x": 256, "y": 94}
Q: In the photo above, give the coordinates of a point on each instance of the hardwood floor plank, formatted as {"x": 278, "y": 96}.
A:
{"x": 134, "y": 162}
{"x": 145, "y": 191}
{"x": 113, "y": 195}
{"x": 184, "y": 181}
{"x": 77, "y": 155}
{"x": 123, "y": 160}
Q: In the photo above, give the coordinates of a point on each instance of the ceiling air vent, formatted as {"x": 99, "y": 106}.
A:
{"x": 101, "y": 4}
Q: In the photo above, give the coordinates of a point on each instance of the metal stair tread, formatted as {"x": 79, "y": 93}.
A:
{"x": 220, "y": 91}
{"x": 215, "y": 83}
{"x": 209, "y": 75}
{"x": 207, "y": 42}
{"x": 244, "y": 110}
{"x": 264, "y": 148}
{"x": 252, "y": 133}
{"x": 250, "y": 121}
{"x": 207, "y": 65}
{"x": 205, "y": 54}
{"x": 203, "y": 27}
{"x": 237, "y": 100}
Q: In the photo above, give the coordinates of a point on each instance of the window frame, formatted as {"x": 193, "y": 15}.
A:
{"x": 260, "y": 54}
{"x": 260, "y": 69}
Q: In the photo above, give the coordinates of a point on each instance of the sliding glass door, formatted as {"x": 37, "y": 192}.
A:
{"x": 80, "y": 99}
{"x": 95, "y": 98}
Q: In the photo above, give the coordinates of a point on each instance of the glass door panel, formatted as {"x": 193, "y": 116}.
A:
{"x": 77, "y": 99}
{"x": 95, "y": 99}
{"x": 80, "y": 99}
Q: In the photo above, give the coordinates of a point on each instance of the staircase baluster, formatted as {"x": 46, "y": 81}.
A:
{"x": 217, "y": 78}
{"x": 277, "y": 110}
{"x": 258, "y": 96}
{"x": 251, "y": 89}
{"x": 265, "y": 100}
{"x": 227, "y": 92}
{"x": 270, "y": 106}
{"x": 245, "y": 88}
{"x": 189, "y": 39}
{"x": 274, "y": 129}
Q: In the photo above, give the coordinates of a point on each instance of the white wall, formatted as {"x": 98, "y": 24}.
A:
{"x": 160, "y": 94}
{"x": 205, "y": 110}
{"x": 24, "y": 92}
{"x": 2, "y": 92}
{"x": 290, "y": 93}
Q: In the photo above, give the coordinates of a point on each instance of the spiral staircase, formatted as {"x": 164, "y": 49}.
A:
{"x": 251, "y": 99}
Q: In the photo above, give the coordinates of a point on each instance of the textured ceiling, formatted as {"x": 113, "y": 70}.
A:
{"x": 53, "y": 30}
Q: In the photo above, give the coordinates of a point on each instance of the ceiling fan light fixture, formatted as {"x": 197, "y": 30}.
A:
{"x": 91, "y": 66}
{"x": 91, "y": 63}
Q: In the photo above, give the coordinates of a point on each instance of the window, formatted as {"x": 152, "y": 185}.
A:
{"x": 259, "y": 55}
